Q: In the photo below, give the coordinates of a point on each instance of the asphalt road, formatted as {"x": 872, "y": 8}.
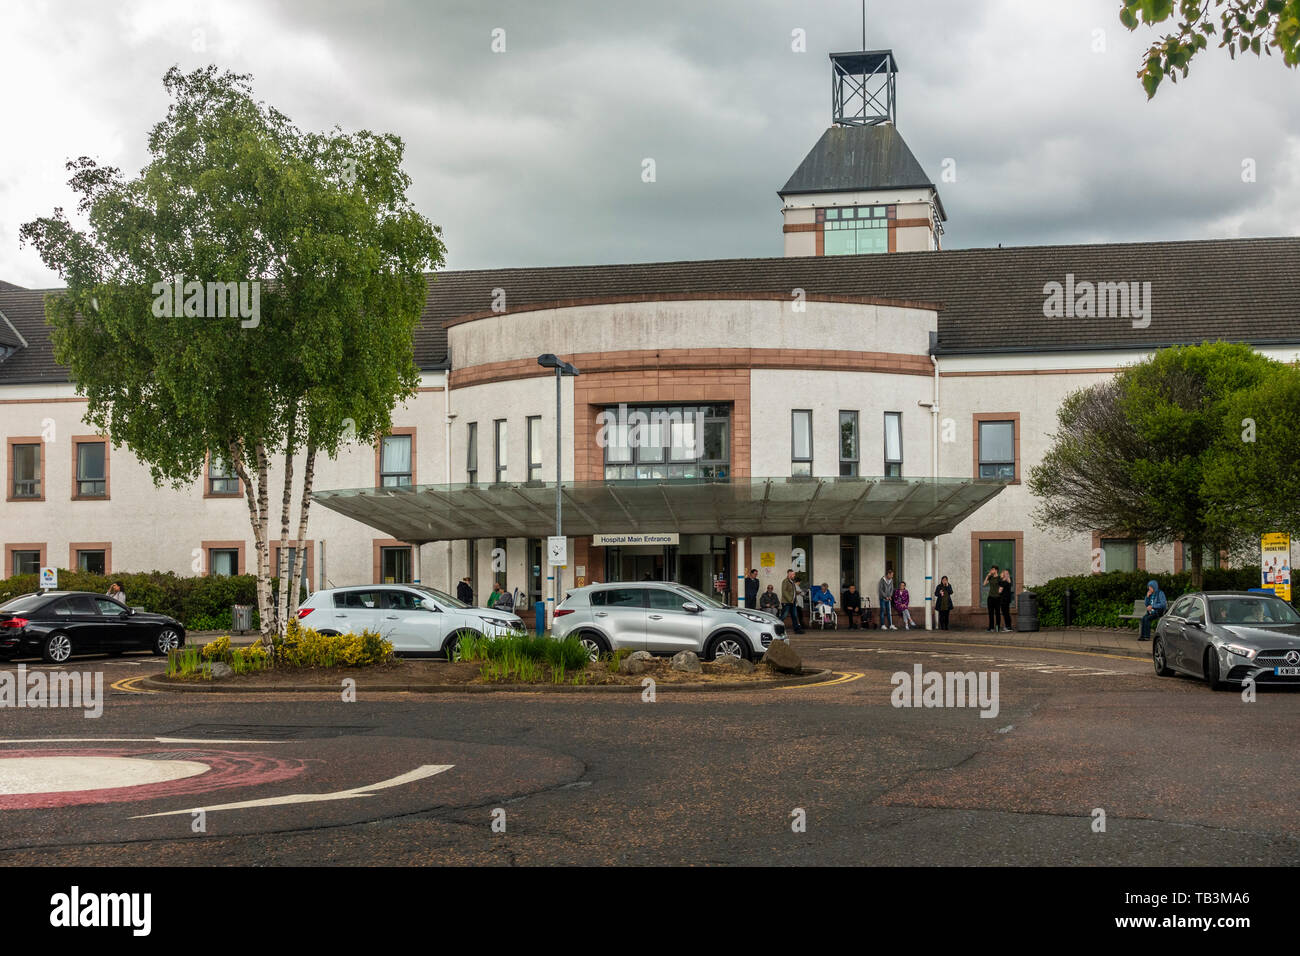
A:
{"x": 1183, "y": 775}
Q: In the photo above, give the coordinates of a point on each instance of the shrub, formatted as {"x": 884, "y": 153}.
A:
{"x": 218, "y": 650}
{"x": 305, "y": 647}
{"x": 1097, "y": 600}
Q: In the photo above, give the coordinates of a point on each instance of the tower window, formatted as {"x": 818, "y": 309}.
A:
{"x": 856, "y": 230}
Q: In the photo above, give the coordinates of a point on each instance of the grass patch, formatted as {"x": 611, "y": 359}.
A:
{"x": 528, "y": 658}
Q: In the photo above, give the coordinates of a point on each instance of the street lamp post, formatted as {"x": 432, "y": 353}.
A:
{"x": 561, "y": 369}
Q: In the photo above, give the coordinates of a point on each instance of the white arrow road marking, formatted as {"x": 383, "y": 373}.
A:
{"x": 419, "y": 773}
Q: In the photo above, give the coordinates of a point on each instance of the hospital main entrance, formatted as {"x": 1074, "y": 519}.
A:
{"x": 701, "y": 561}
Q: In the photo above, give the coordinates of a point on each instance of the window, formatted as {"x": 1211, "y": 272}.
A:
{"x": 894, "y": 557}
{"x": 681, "y": 441}
{"x": 499, "y": 449}
{"x": 893, "y": 444}
{"x": 395, "y": 565}
{"x": 92, "y": 562}
{"x": 25, "y": 562}
{"x": 357, "y": 600}
{"x": 25, "y": 467}
{"x": 108, "y": 607}
{"x": 855, "y": 230}
{"x": 78, "y": 605}
{"x": 223, "y": 562}
{"x": 1001, "y": 552}
{"x": 662, "y": 599}
{"x": 619, "y": 597}
{"x": 395, "y": 462}
{"x": 997, "y": 449}
{"x": 1119, "y": 554}
{"x": 471, "y": 454}
{"x": 802, "y": 543}
{"x": 535, "y": 448}
{"x": 499, "y": 570}
{"x": 222, "y": 479}
{"x": 801, "y": 443}
{"x": 92, "y": 469}
{"x": 848, "y": 444}
{"x": 848, "y": 562}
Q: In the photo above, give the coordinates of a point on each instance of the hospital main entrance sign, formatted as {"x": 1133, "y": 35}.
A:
{"x": 632, "y": 540}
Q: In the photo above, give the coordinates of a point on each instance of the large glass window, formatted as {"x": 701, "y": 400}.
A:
{"x": 395, "y": 464}
{"x": 499, "y": 449}
{"x": 223, "y": 562}
{"x": 26, "y": 562}
{"x": 997, "y": 450}
{"x": 92, "y": 474}
{"x": 26, "y": 471}
{"x": 848, "y": 562}
{"x": 1119, "y": 554}
{"x": 848, "y": 444}
{"x": 667, "y": 441}
{"x": 855, "y": 230}
{"x": 222, "y": 479}
{"x": 893, "y": 444}
{"x": 91, "y": 562}
{"x": 1001, "y": 552}
{"x": 535, "y": 448}
{"x": 471, "y": 454}
{"x": 801, "y": 442}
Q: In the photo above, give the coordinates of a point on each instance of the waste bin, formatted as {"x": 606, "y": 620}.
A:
{"x": 241, "y": 617}
{"x": 540, "y": 608}
{"x": 1027, "y": 611}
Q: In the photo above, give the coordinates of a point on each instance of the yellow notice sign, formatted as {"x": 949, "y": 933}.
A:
{"x": 1275, "y": 564}
{"x": 767, "y": 559}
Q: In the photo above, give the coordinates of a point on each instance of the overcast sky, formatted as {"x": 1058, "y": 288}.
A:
{"x": 533, "y": 156}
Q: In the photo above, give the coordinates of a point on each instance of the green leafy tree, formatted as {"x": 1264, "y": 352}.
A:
{"x": 332, "y": 257}
{"x": 1243, "y": 26}
{"x": 1160, "y": 452}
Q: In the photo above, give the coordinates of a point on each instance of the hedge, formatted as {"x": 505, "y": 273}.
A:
{"x": 200, "y": 603}
{"x": 1097, "y": 600}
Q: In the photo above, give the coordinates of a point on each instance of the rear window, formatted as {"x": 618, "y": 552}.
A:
{"x": 358, "y": 600}
{"x": 618, "y": 597}
{"x": 25, "y": 604}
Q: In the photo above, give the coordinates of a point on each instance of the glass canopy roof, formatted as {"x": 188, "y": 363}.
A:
{"x": 912, "y": 507}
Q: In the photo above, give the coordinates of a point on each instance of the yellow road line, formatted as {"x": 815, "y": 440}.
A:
{"x": 841, "y": 677}
{"x": 127, "y": 685}
{"x": 1012, "y": 647}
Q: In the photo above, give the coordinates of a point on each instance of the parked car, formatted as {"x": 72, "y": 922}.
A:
{"x": 663, "y": 618}
{"x": 419, "y": 621}
{"x": 58, "y": 624}
{"x": 1229, "y": 637}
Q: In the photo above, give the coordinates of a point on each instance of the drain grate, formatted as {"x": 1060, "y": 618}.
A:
{"x": 269, "y": 731}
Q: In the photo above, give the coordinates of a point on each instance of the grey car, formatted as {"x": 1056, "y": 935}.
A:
{"x": 1229, "y": 637}
{"x": 663, "y": 618}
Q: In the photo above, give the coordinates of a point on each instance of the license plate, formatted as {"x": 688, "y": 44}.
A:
{"x": 1286, "y": 671}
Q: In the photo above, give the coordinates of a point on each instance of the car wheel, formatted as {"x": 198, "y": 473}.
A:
{"x": 451, "y": 646}
{"x": 56, "y": 648}
{"x": 1158, "y": 657}
{"x": 1212, "y": 676}
{"x": 594, "y": 643}
{"x": 727, "y": 645}
{"x": 167, "y": 640}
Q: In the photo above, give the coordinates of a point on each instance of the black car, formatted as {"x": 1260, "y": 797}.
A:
{"x": 58, "y": 624}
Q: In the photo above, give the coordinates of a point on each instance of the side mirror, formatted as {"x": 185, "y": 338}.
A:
{"x": 123, "y": 615}
{"x": 692, "y": 607}
{"x": 1197, "y": 624}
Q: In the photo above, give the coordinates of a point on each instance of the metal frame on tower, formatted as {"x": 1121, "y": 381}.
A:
{"x": 863, "y": 91}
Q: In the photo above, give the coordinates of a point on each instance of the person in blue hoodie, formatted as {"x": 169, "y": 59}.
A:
{"x": 1156, "y": 605}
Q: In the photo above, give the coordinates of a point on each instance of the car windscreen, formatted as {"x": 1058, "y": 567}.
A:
{"x": 442, "y": 597}
{"x": 1252, "y": 610}
{"x": 701, "y": 597}
{"x": 25, "y": 604}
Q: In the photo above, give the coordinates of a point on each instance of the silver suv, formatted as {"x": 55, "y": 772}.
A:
{"x": 663, "y": 618}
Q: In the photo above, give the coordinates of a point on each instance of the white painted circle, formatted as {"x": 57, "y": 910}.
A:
{"x": 67, "y": 774}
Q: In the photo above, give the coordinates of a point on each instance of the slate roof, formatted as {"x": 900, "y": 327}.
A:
{"x": 1238, "y": 290}
{"x": 852, "y": 158}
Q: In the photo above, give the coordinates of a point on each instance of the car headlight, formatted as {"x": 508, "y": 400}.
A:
{"x": 1241, "y": 651}
{"x": 498, "y": 622}
{"x": 754, "y": 617}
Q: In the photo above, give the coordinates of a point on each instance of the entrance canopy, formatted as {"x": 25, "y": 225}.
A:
{"x": 920, "y": 508}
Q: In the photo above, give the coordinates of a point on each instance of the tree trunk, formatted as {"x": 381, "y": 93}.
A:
{"x": 255, "y": 495}
{"x": 304, "y": 506}
{"x": 286, "y": 503}
{"x": 265, "y": 598}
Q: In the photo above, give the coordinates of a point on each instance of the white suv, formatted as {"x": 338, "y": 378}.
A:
{"x": 663, "y": 618}
{"x": 419, "y": 621}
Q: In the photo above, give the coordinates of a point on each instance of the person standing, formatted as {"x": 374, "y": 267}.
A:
{"x": 116, "y": 593}
{"x": 464, "y": 592}
{"x": 1156, "y": 604}
{"x": 992, "y": 581}
{"x": 943, "y": 602}
{"x": 885, "y": 593}
{"x": 789, "y": 596}
{"x": 852, "y": 602}
{"x": 1006, "y": 590}
{"x": 751, "y": 588}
